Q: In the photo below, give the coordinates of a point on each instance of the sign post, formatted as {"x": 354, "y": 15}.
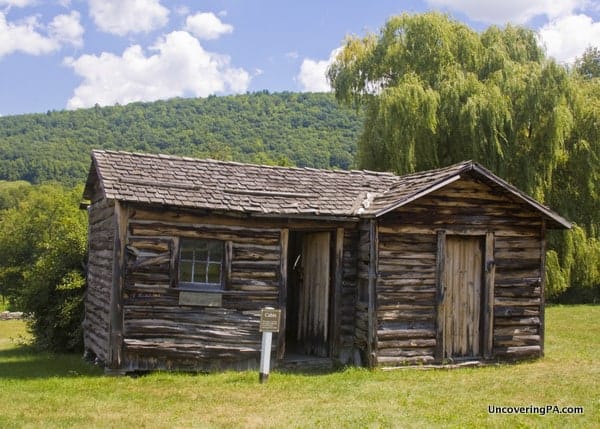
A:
{"x": 269, "y": 323}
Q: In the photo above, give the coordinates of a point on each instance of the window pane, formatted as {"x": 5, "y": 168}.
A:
{"x": 185, "y": 271}
{"x": 200, "y": 273}
{"x": 214, "y": 273}
{"x": 215, "y": 250}
{"x": 187, "y": 254}
{"x": 202, "y": 252}
{"x": 200, "y": 262}
{"x": 187, "y": 249}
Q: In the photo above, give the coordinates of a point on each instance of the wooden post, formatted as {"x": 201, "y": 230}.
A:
{"x": 488, "y": 309}
{"x": 265, "y": 357}
{"x": 174, "y": 261}
{"x": 337, "y": 292}
{"x": 372, "y": 292}
{"x": 440, "y": 263}
{"x": 270, "y": 320}
{"x": 228, "y": 260}
{"x": 542, "y": 286}
{"x": 283, "y": 245}
{"x": 115, "y": 346}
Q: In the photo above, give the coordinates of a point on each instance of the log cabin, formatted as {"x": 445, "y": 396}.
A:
{"x": 367, "y": 268}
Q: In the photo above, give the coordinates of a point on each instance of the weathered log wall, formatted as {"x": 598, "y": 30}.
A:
{"x": 161, "y": 333}
{"x": 406, "y": 286}
{"x": 406, "y": 305}
{"x": 361, "y": 331}
{"x": 518, "y": 300}
{"x": 101, "y": 231}
{"x": 349, "y": 299}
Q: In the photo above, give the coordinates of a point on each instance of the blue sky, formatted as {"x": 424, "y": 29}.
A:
{"x": 68, "y": 54}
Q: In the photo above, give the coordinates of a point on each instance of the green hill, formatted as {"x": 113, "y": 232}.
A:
{"x": 303, "y": 129}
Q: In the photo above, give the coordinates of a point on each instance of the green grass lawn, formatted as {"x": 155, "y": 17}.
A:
{"x": 41, "y": 390}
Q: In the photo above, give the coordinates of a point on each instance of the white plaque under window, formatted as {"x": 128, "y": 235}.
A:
{"x": 200, "y": 299}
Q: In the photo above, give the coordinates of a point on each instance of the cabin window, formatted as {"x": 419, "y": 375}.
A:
{"x": 201, "y": 264}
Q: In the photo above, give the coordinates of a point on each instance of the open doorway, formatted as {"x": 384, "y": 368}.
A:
{"x": 309, "y": 294}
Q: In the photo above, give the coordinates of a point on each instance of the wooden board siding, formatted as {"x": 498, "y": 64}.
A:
{"x": 161, "y": 333}
{"x": 284, "y": 238}
{"x": 347, "y": 353}
{"x": 314, "y": 303}
{"x": 337, "y": 278}
{"x": 518, "y": 297}
{"x": 99, "y": 279}
{"x": 254, "y": 280}
{"x": 406, "y": 298}
{"x": 362, "y": 298}
{"x": 384, "y": 303}
{"x": 542, "y": 286}
{"x": 115, "y": 345}
{"x": 406, "y": 286}
{"x": 463, "y": 277}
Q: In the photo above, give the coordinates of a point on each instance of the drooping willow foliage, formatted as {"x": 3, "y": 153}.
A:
{"x": 435, "y": 92}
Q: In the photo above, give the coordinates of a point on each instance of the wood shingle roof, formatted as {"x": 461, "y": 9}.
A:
{"x": 277, "y": 191}
{"x": 232, "y": 186}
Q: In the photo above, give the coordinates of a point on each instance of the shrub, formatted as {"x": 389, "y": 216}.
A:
{"x": 42, "y": 250}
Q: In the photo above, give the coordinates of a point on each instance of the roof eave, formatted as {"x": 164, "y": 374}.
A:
{"x": 94, "y": 170}
{"x": 556, "y": 221}
{"x": 333, "y": 217}
{"x": 434, "y": 187}
{"x": 307, "y": 216}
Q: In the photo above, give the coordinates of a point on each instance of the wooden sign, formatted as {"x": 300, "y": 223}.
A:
{"x": 200, "y": 299}
{"x": 269, "y": 320}
{"x": 269, "y": 323}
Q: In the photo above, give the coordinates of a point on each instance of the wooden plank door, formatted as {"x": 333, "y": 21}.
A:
{"x": 463, "y": 278}
{"x": 313, "y": 311}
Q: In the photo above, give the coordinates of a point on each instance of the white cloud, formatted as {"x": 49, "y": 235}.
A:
{"x": 207, "y": 26}
{"x": 121, "y": 17}
{"x": 312, "y": 76}
{"x": 292, "y": 55}
{"x": 24, "y": 37}
{"x": 67, "y": 29}
{"x": 515, "y": 11}
{"x": 179, "y": 67}
{"x": 566, "y": 38}
{"x": 27, "y": 36}
{"x": 182, "y": 10}
{"x": 16, "y": 3}
{"x": 566, "y": 34}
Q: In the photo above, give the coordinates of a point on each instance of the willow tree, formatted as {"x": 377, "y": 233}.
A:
{"x": 436, "y": 92}
{"x": 588, "y": 65}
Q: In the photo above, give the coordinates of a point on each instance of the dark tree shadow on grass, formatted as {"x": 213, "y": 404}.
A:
{"x": 24, "y": 362}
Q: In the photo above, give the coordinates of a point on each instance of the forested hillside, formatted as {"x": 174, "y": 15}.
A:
{"x": 283, "y": 128}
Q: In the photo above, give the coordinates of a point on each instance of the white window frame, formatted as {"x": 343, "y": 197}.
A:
{"x": 197, "y": 244}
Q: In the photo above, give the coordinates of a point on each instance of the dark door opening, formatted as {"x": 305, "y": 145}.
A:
{"x": 308, "y": 298}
